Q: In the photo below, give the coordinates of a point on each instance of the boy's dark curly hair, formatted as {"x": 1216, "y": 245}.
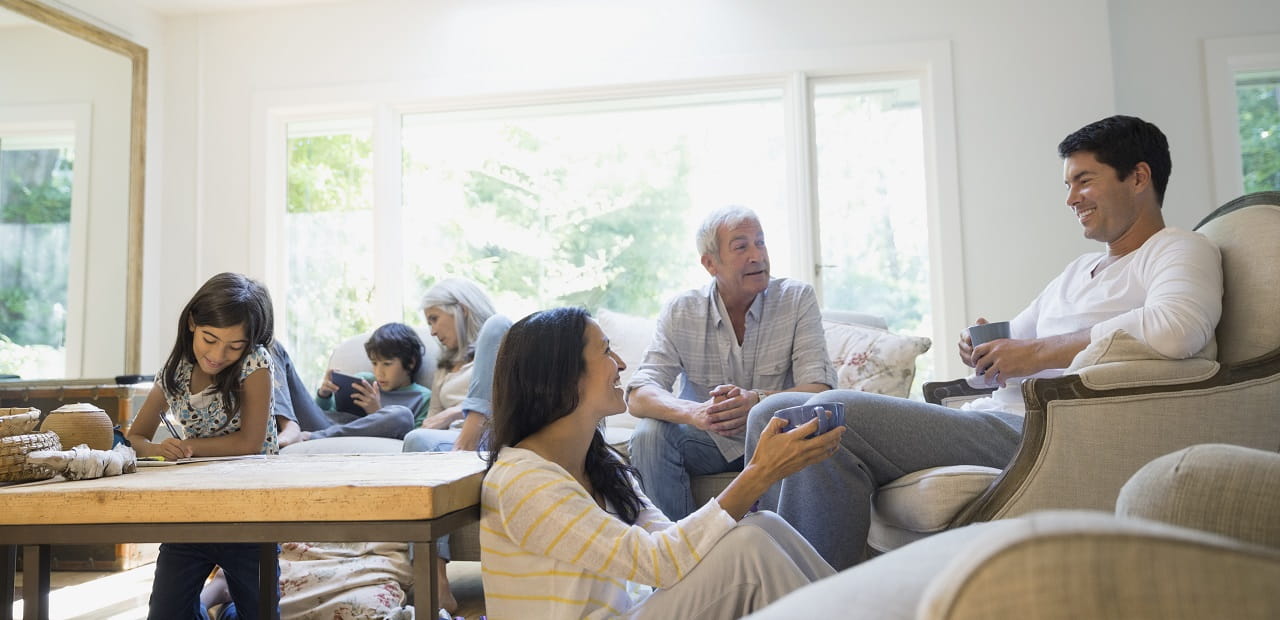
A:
{"x": 396, "y": 341}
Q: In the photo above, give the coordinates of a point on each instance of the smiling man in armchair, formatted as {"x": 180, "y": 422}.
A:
{"x": 1161, "y": 285}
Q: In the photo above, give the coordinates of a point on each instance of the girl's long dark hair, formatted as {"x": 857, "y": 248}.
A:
{"x": 535, "y": 382}
{"x": 226, "y": 300}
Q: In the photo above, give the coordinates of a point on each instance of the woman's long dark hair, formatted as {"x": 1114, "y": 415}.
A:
{"x": 535, "y": 382}
{"x": 226, "y": 300}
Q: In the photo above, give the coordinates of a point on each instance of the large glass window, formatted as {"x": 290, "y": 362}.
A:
{"x": 35, "y": 246}
{"x": 873, "y": 221}
{"x": 329, "y": 228}
{"x": 590, "y": 204}
{"x": 594, "y": 201}
{"x": 1258, "y": 101}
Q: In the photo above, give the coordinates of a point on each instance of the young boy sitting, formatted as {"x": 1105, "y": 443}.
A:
{"x": 391, "y": 402}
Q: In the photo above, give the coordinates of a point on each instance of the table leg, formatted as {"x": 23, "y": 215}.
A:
{"x": 35, "y": 581}
{"x": 8, "y": 579}
{"x": 425, "y": 574}
{"x": 268, "y": 582}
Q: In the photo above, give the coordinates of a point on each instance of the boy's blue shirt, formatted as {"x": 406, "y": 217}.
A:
{"x": 413, "y": 396}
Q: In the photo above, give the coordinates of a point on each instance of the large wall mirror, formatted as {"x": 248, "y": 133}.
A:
{"x": 72, "y": 139}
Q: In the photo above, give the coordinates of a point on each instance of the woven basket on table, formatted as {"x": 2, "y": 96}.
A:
{"x": 18, "y": 420}
{"x": 13, "y": 456}
{"x": 16, "y": 442}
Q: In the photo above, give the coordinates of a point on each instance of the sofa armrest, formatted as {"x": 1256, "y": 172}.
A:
{"x": 1137, "y": 374}
{"x": 1225, "y": 489}
{"x": 1080, "y": 445}
{"x": 953, "y": 393}
{"x": 345, "y": 445}
{"x": 1081, "y": 564}
{"x": 1050, "y": 565}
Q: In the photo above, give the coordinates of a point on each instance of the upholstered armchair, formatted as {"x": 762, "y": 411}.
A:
{"x": 1088, "y": 431}
{"x": 1193, "y": 535}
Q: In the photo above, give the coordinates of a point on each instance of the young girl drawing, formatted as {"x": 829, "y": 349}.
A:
{"x": 216, "y": 385}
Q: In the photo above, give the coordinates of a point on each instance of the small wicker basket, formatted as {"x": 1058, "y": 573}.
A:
{"x": 13, "y": 456}
{"x": 18, "y": 420}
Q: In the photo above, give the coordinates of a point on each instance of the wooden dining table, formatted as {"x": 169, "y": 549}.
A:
{"x": 408, "y": 497}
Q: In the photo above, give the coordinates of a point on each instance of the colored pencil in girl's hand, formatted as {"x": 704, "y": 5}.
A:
{"x": 174, "y": 430}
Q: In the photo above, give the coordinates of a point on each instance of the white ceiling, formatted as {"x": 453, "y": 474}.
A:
{"x": 187, "y": 7}
{"x": 166, "y": 7}
{"x": 9, "y": 19}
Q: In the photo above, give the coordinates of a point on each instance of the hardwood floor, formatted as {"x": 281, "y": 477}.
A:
{"x": 84, "y": 595}
{"x": 89, "y": 595}
{"x": 464, "y": 580}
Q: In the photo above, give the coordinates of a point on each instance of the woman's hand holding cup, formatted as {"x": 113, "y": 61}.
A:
{"x": 782, "y": 453}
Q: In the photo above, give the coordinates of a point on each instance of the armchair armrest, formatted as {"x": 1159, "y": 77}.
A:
{"x": 1081, "y": 443}
{"x": 1093, "y": 565}
{"x": 1228, "y": 490}
{"x": 1136, "y": 374}
{"x": 952, "y": 392}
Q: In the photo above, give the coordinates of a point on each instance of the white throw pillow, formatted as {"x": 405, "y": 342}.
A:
{"x": 873, "y": 360}
{"x": 629, "y": 337}
{"x": 1116, "y": 346}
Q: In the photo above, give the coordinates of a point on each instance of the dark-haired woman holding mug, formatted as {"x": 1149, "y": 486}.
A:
{"x": 565, "y": 527}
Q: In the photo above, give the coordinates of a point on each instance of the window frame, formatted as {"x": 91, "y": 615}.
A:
{"x": 1223, "y": 58}
{"x": 386, "y": 103}
{"x": 77, "y": 120}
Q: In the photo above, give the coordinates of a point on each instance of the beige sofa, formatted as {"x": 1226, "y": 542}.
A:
{"x": 1195, "y": 534}
{"x": 867, "y": 356}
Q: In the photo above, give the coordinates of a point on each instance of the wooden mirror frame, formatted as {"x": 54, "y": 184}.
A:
{"x": 137, "y": 56}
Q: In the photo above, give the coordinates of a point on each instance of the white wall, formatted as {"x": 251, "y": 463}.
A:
{"x": 1025, "y": 74}
{"x": 69, "y": 72}
{"x": 1159, "y": 68}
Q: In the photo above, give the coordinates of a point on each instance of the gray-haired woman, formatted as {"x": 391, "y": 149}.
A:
{"x": 461, "y": 317}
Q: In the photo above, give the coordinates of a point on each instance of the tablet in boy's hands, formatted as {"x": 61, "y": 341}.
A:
{"x": 342, "y": 399}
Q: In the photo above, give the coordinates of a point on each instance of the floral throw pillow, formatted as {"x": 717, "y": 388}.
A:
{"x": 873, "y": 360}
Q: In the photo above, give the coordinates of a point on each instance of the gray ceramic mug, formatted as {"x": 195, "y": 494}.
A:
{"x": 830, "y": 415}
{"x": 986, "y": 332}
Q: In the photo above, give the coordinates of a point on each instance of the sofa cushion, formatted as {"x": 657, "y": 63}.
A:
{"x": 710, "y": 485}
{"x": 350, "y": 357}
{"x": 873, "y": 360}
{"x": 1246, "y": 238}
{"x": 927, "y": 500}
{"x": 345, "y": 445}
{"x": 877, "y": 360}
{"x": 629, "y": 337}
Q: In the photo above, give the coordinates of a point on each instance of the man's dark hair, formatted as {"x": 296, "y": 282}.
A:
{"x": 396, "y": 341}
{"x": 1121, "y": 142}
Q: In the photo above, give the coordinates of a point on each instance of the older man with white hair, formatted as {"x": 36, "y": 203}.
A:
{"x": 732, "y": 343}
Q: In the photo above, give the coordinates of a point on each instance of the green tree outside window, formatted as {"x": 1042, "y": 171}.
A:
{"x": 1258, "y": 100}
